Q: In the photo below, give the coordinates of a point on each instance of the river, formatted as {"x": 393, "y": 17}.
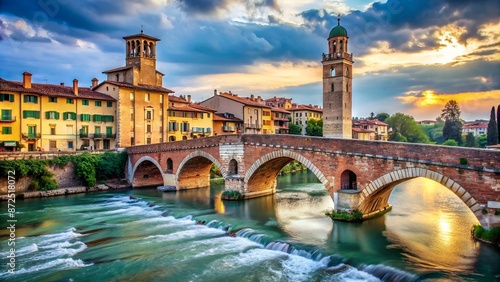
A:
{"x": 108, "y": 236}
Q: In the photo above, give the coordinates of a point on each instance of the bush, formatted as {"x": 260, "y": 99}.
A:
{"x": 464, "y": 161}
{"x": 494, "y": 236}
{"x": 355, "y": 216}
{"x": 34, "y": 185}
{"x": 232, "y": 195}
{"x": 47, "y": 183}
{"x": 478, "y": 231}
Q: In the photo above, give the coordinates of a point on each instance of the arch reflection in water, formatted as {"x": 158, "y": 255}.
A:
{"x": 429, "y": 223}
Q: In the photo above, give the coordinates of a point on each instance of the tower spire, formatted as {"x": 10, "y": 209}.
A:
{"x": 338, "y": 18}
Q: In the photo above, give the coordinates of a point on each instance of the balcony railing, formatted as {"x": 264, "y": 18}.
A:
{"x": 31, "y": 135}
{"x": 8, "y": 119}
{"x": 338, "y": 55}
{"x": 228, "y": 128}
{"x": 253, "y": 125}
{"x": 110, "y": 135}
{"x": 97, "y": 135}
{"x": 84, "y": 135}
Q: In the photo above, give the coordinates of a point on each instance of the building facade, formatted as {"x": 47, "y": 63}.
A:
{"x": 379, "y": 130}
{"x": 142, "y": 101}
{"x": 55, "y": 117}
{"x": 475, "y": 127}
{"x": 187, "y": 120}
{"x": 337, "y": 85}
{"x": 281, "y": 120}
{"x": 227, "y": 123}
{"x": 300, "y": 114}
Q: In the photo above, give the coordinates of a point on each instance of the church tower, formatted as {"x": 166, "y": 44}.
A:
{"x": 140, "y": 52}
{"x": 337, "y": 85}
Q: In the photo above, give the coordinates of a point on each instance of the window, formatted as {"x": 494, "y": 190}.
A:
{"x": 333, "y": 86}
{"x": 109, "y": 104}
{"x": 170, "y": 164}
{"x": 6, "y": 115}
{"x": 70, "y": 101}
{"x": 97, "y": 103}
{"x": 69, "y": 129}
{"x": 184, "y": 114}
{"x": 69, "y": 116}
{"x": 85, "y": 117}
{"x": 132, "y": 141}
{"x": 208, "y": 115}
{"x": 6, "y": 97}
{"x": 108, "y": 118}
{"x": 52, "y": 130}
{"x": 6, "y": 130}
{"x": 31, "y": 114}
{"x": 70, "y": 144}
{"x": 85, "y": 102}
{"x": 147, "y": 97}
{"x": 148, "y": 128}
{"x": 109, "y": 131}
{"x": 346, "y": 71}
{"x": 148, "y": 140}
{"x": 97, "y": 118}
{"x": 332, "y": 71}
{"x": 97, "y": 130}
{"x": 173, "y": 126}
{"x": 51, "y": 115}
{"x": 149, "y": 115}
{"x": 30, "y": 99}
{"x": 52, "y": 99}
{"x": 131, "y": 96}
{"x": 171, "y": 113}
{"x": 185, "y": 127}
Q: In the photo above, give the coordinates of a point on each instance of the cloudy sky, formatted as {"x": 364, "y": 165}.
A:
{"x": 410, "y": 56}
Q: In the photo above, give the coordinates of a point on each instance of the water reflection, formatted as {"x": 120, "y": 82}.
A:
{"x": 430, "y": 224}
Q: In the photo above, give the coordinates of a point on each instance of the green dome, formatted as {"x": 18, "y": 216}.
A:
{"x": 338, "y": 31}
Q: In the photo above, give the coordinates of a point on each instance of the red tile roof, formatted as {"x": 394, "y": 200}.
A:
{"x": 371, "y": 122}
{"x": 118, "y": 69}
{"x": 138, "y": 86}
{"x": 141, "y": 35}
{"x": 221, "y": 117}
{"x": 475, "y": 125}
{"x": 305, "y": 108}
{"x": 361, "y": 130}
{"x": 280, "y": 110}
{"x": 172, "y": 98}
{"x": 203, "y": 108}
{"x": 54, "y": 90}
{"x": 244, "y": 100}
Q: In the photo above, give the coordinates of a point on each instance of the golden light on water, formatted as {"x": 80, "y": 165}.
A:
{"x": 219, "y": 204}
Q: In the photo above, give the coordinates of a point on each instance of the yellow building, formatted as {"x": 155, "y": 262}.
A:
{"x": 248, "y": 109}
{"x": 267, "y": 123}
{"x": 187, "y": 120}
{"x": 142, "y": 100}
{"x": 302, "y": 113}
{"x": 55, "y": 117}
{"x": 281, "y": 119}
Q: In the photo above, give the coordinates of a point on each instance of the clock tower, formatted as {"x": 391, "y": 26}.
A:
{"x": 337, "y": 85}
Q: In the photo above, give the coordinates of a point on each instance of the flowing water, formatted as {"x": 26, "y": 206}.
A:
{"x": 284, "y": 237}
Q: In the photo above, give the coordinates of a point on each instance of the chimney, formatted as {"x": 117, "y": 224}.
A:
{"x": 62, "y": 83}
{"x": 215, "y": 92}
{"x": 189, "y": 98}
{"x": 259, "y": 99}
{"x": 75, "y": 86}
{"x": 230, "y": 92}
{"x": 26, "y": 79}
{"x": 252, "y": 97}
{"x": 95, "y": 81}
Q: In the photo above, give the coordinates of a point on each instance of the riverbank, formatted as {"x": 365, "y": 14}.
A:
{"x": 109, "y": 185}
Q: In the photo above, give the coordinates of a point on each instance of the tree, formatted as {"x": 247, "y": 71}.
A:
{"x": 450, "y": 142}
{"x": 382, "y": 116}
{"x": 492, "y": 136}
{"x": 498, "y": 122}
{"x": 372, "y": 115}
{"x": 314, "y": 127}
{"x": 453, "y": 125}
{"x": 404, "y": 126}
{"x": 470, "y": 140}
{"x": 482, "y": 141}
{"x": 294, "y": 129}
{"x": 434, "y": 132}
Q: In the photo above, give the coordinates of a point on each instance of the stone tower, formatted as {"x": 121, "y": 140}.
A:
{"x": 337, "y": 85}
{"x": 140, "y": 52}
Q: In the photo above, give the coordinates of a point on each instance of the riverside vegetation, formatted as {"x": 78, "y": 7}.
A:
{"x": 89, "y": 169}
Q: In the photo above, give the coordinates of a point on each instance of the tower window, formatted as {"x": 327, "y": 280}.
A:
{"x": 332, "y": 72}
{"x": 333, "y": 87}
{"x": 346, "y": 71}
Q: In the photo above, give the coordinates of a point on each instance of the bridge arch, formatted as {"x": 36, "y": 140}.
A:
{"x": 194, "y": 170}
{"x": 147, "y": 176}
{"x": 262, "y": 174}
{"x": 376, "y": 194}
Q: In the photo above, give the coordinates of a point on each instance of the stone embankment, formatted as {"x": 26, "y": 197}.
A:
{"x": 112, "y": 185}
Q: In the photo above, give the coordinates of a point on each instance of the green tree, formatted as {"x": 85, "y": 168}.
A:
{"x": 492, "y": 136}
{"x": 470, "y": 140}
{"x": 405, "y": 126}
{"x": 382, "y": 116}
{"x": 434, "y": 132}
{"x": 453, "y": 125}
{"x": 294, "y": 129}
{"x": 314, "y": 127}
{"x": 450, "y": 142}
{"x": 482, "y": 141}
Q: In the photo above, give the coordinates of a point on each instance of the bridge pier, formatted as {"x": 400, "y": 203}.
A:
{"x": 346, "y": 199}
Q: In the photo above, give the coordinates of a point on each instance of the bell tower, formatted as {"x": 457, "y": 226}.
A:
{"x": 337, "y": 85}
{"x": 140, "y": 52}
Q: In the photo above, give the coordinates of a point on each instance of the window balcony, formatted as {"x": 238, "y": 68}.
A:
{"x": 97, "y": 135}
{"x": 31, "y": 135}
{"x": 110, "y": 135}
{"x": 84, "y": 135}
{"x": 8, "y": 119}
{"x": 228, "y": 128}
{"x": 252, "y": 125}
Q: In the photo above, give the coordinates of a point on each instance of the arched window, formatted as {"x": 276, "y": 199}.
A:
{"x": 233, "y": 167}
{"x": 334, "y": 46}
{"x": 341, "y": 45}
{"x": 171, "y": 138}
{"x": 333, "y": 86}
{"x": 170, "y": 163}
{"x": 332, "y": 71}
{"x": 346, "y": 71}
{"x": 184, "y": 138}
{"x": 348, "y": 180}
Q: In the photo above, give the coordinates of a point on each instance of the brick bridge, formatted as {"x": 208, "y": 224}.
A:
{"x": 356, "y": 173}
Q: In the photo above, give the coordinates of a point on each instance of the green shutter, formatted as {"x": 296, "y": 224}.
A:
{"x": 65, "y": 116}
{"x": 37, "y": 114}
{"x": 25, "y": 98}
{"x": 57, "y": 115}
{"x": 73, "y": 116}
{"x": 47, "y": 115}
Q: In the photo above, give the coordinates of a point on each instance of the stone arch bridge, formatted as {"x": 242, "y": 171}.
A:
{"x": 357, "y": 173}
